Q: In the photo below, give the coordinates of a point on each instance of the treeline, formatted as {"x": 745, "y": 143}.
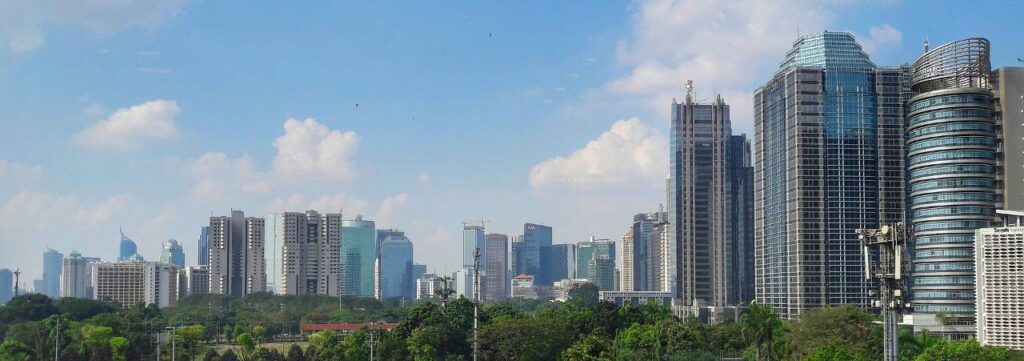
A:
{"x": 214, "y": 328}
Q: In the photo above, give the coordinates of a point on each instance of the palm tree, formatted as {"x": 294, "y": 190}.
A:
{"x": 759, "y": 325}
{"x": 912, "y": 345}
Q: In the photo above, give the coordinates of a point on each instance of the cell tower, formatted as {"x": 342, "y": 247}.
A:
{"x": 890, "y": 243}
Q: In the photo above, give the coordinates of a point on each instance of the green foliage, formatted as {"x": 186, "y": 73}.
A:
{"x": 295, "y": 354}
{"x": 847, "y": 327}
{"x": 590, "y": 348}
{"x": 505, "y": 339}
{"x": 82, "y": 308}
{"x": 836, "y": 353}
{"x": 968, "y": 350}
{"x": 760, "y": 324}
{"x": 11, "y": 350}
{"x": 247, "y": 343}
{"x": 117, "y": 347}
{"x": 586, "y": 293}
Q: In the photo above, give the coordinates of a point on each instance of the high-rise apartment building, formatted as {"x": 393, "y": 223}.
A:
{"x": 639, "y": 249}
{"x": 310, "y": 253}
{"x": 172, "y": 253}
{"x": 1008, "y": 88}
{"x": 535, "y": 237}
{"x": 496, "y": 283}
{"x": 6, "y": 285}
{"x": 75, "y": 277}
{"x": 130, "y": 282}
{"x": 203, "y": 254}
{"x": 359, "y": 250}
{"x": 126, "y": 248}
{"x": 585, "y": 252}
{"x": 999, "y": 256}
{"x": 237, "y": 263}
{"x": 50, "y": 284}
{"x": 625, "y": 261}
{"x": 951, "y": 148}
{"x": 426, "y": 284}
{"x": 193, "y": 280}
{"x": 828, "y": 156}
{"x": 396, "y": 267}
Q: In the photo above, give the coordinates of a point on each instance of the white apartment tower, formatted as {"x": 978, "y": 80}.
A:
{"x": 310, "y": 253}
{"x": 74, "y": 277}
{"x": 237, "y": 265}
{"x": 999, "y": 259}
{"x": 129, "y": 283}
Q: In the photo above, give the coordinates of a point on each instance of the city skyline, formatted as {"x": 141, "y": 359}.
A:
{"x": 55, "y": 160}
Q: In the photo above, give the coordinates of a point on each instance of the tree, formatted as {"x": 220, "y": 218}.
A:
{"x": 96, "y": 341}
{"x": 846, "y": 326}
{"x": 836, "y": 353}
{"x": 586, "y": 294}
{"x": 211, "y": 355}
{"x": 523, "y": 339}
{"x": 638, "y": 342}
{"x": 11, "y": 350}
{"x": 911, "y": 345}
{"x": 968, "y": 350}
{"x": 117, "y": 347}
{"x": 188, "y": 338}
{"x": 295, "y": 353}
{"x": 30, "y": 307}
{"x": 759, "y": 326}
{"x": 258, "y": 332}
{"x": 82, "y": 308}
{"x": 590, "y": 348}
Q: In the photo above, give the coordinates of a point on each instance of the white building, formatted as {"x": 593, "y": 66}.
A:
{"x": 75, "y": 277}
{"x": 310, "y": 253}
{"x": 193, "y": 280}
{"x": 522, "y": 286}
{"x": 426, "y": 285}
{"x": 464, "y": 282}
{"x": 999, "y": 280}
{"x": 237, "y": 264}
{"x": 129, "y": 283}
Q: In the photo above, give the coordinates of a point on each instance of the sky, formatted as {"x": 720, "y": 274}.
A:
{"x": 151, "y": 116}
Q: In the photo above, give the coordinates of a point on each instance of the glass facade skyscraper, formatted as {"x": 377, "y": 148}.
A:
{"x": 126, "y": 249}
{"x": 172, "y": 253}
{"x": 204, "y": 246}
{"x": 951, "y": 149}
{"x": 828, "y": 155}
{"x": 535, "y": 237}
{"x": 588, "y": 250}
{"x": 396, "y": 274}
{"x": 359, "y": 249}
{"x": 496, "y": 283}
{"x": 6, "y": 285}
{"x": 52, "y": 261}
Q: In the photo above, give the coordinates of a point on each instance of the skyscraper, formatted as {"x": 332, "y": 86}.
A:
{"x": 396, "y": 278}
{"x": 638, "y": 253}
{"x": 602, "y": 272}
{"x": 517, "y": 260}
{"x": 237, "y": 262}
{"x": 472, "y": 240}
{"x": 1000, "y": 297}
{"x": 6, "y": 285}
{"x": 585, "y": 252}
{"x": 951, "y": 150}
{"x": 172, "y": 253}
{"x": 626, "y": 261}
{"x": 496, "y": 283}
{"x": 75, "y": 278}
{"x": 310, "y": 253}
{"x": 558, "y": 262}
{"x": 1008, "y": 86}
{"x": 828, "y": 155}
{"x": 126, "y": 249}
{"x": 193, "y": 280}
{"x": 50, "y": 283}
{"x": 203, "y": 254}
{"x": 740, "y": 273}
{"x": 359, "y": 249}
{"x": 535, "y": 237}
{"x": 418, "y": 270}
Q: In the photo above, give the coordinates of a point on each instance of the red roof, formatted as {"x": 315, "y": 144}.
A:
{"x": 346, "y": 326}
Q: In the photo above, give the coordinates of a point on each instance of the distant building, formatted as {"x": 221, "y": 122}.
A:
{"x": 558, "y": 261}
{"x": 535, "y": 238}
{"x": 50, "y": 284}
{"x": 1008, "y": 87}
{"x": 621, "y": 298}
{"x": 418, "y": 270}
{"x": 396, "y": 252}
{"x": 523, "y": 287}
{"x": 626, "y": 261}
{"x": 193, "y": 280}
{"x": 6, "y": 285}
{"x": 463, "y": 279}
{"x": 602, "y": 272}
{"x": 560, "y": 289}
{"x": 172, "y": 253}
{"x": 517, "y": 257}
{"x": 999, "y": 278}
{"x": 495, "y": 284}
{"x": 585, "y": 253}
{"x": 359, "y": 250}
{"x": 75, "y": 277}
{"x": 426, "y": 284}
{"x": 310, "y": 253}
{"x": 639, "y": 252}
{"x": 129, "y": 283}
{"x": 203, "y": 254}
{"x": 237, "y": 263}
{"x": 127, "y": 248}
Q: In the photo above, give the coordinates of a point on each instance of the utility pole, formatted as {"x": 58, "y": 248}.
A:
{"x": 888, "y": 271}
{"x": 371, "y": 340}
{"x": 174, "y": 346}
{"x": 476, "y": 301}
{"x": 56, "y": 342}
{"x": 17, "y": 277}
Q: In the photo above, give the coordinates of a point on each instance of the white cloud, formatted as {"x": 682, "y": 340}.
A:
{"x": 19, "y": 173}
{"x": 309, "y": 150}
{"x": 93, "y": 110}
{"x": 880, "y": 37}
{"x": 424, "y": 177}
{"x": 23, "y": 24}
{"x": 298, "y": 202}
{"x": 219, "y": 176}
{"x": 730, "y": 46}
{"x": 147, "y": 53}
{"x": 132, "y": 128}
{"x": 629, "y": 154}
{"x": 102, "y": 212}
{"x": 389, "y": 207}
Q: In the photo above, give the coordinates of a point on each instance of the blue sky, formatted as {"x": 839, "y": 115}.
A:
{"x": 153, "y": 115}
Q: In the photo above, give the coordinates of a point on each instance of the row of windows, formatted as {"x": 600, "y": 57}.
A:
{"x": 954, "y": 197}
{"x": 949, "y": 169}
{"x": 951, "y": 127}
{"x": 963, "y": 309}
{"x": 960, "y": 154}
{"x": 950, "y": 99}
{"x": 942, "y": 267}
{"x": 953, "y": 183}
{"x": 953, "y": 252}
{"x": 951, "y": 113}
{"x": 949, "y": 225}
{"x": 944, "y": 295}
{"x": 944, "y": 281}
{"x": 949, "y": 141}
{"x": 952, "y": 211}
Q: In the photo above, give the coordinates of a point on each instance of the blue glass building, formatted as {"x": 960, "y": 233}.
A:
{"x": 51, "y": 273}
{"x": 396, "y": 267}
{"x": 127, "y": 248}
{"x": 951, "y": 149}
{"x": 358, "y": 257}
{"x": 828, "y": 155}
{"x": 173, "y": 253}
{"x": 535, "y": 237}
{"x": 204, "y": 246}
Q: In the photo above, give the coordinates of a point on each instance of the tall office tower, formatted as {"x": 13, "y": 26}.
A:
{"x": 6, "y": 285}
{"x": 472, "y": 239}
{"x": 496, "y": 283}
{"x": 75, "y": 281}
{"x": 951, "y": 146}
{"x": 828, "y": 161}
{"x": 558, "y": 262}
{"x": 586, "y": 250}
{"x": 172, "y": 253}
{"x": 131, "y": 282}
{"x": 663, "y": 254}
{"x": 126, "y": 249}
{"x": 517, "y": 260}
{"x": 625, "y": 261}
{"x": 359, "y": 250}
{"x": 999, "y": 255}
{"x": 203, "y": 254}
{"x": 237, "y": 263}
{"x": 535, "y": 237}
{"x": 396, "y": 267}
{"x": 741, "y": 211}
{"x": 418, "y": 270}
{"x": 193, "y": 280}
{"x": 50, "y": 284}
{"x": 310, "y": 253}
{"x": 601, "y": 271}
{"x": 1008, "y": 85}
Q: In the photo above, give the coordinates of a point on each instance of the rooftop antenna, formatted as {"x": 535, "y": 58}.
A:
{"x": 689, "y": 91}
{"x": 926, "y": 45}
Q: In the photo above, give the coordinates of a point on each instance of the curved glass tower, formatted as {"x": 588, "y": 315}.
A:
{"x": 951, "y": 151}
{"x": 127, "y": 248}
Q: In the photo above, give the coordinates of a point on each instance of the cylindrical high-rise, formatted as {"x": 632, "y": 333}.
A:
{"x": 951, "y": 149}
